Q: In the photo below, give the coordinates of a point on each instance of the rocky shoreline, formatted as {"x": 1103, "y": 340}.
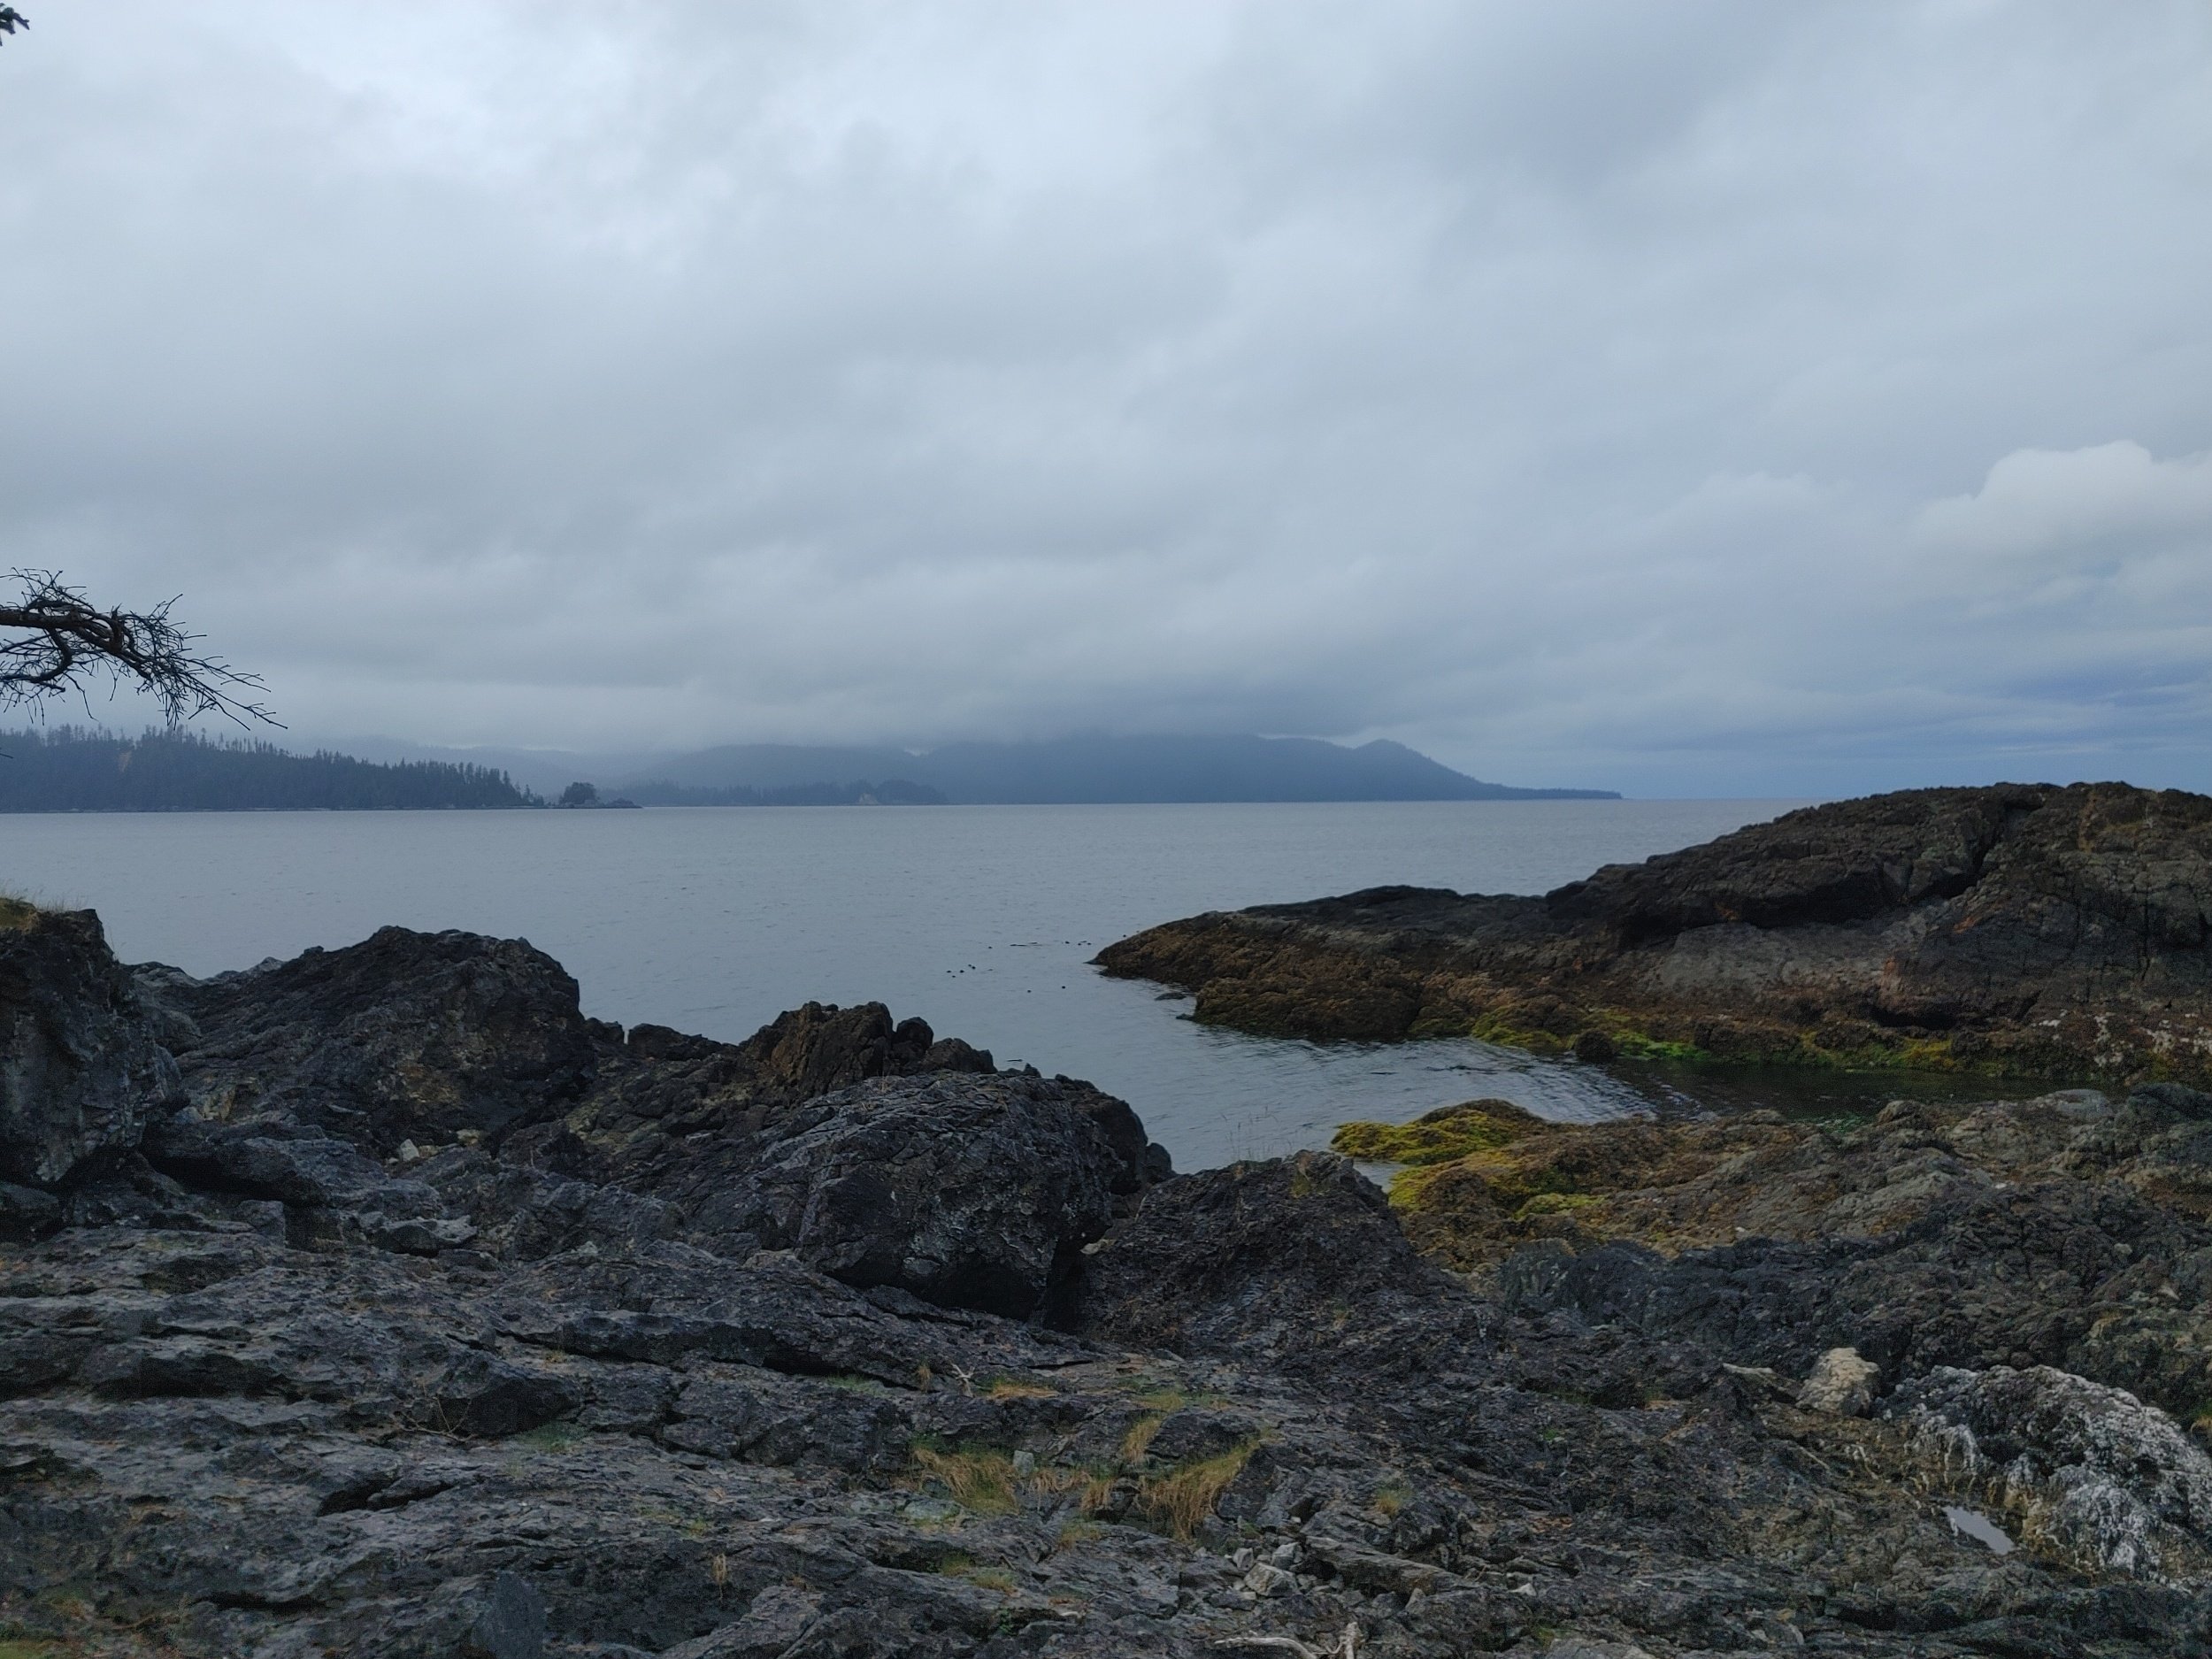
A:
{"x": 381, "y": 1302}
{"x": 2023, "y": 929}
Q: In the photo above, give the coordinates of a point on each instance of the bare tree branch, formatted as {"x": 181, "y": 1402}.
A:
{"x": 68, "y": 642}
{"x": 12, "y": 20}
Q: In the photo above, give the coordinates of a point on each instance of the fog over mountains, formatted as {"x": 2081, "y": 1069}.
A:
{"x": 1092, "y": 768}
{"x": 1713, "y": 398}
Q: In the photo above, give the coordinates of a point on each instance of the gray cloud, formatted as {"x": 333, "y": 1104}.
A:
{"x": 1718, "y": 397}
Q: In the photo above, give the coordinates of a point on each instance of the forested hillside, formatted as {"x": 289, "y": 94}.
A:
{"x": 1094, "y": 769}
{"x": 72, "y": 769}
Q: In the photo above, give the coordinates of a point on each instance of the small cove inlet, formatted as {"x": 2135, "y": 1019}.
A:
{"x": 979, "y": 919}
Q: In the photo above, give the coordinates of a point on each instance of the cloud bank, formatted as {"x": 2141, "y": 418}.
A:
{"x": 1718, "y": 397}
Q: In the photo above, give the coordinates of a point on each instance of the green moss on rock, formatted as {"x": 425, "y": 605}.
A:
{"x": 1436, "y": 1137}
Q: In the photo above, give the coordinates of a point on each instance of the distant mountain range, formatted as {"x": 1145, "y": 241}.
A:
{"x": 1092, "y": 769}
{"x": 1103, "y": 769}
{"x": 72, "y": 769}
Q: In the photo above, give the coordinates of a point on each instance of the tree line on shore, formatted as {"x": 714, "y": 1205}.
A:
{"x": 82, "y": 769}
{"x": 76, "y": 769}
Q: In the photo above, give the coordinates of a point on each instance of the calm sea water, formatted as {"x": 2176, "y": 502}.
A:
{"x": 980, "y": 920}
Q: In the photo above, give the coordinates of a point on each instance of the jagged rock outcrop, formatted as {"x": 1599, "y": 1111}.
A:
{"x": 2066, "y": 1232}
{"x": 2058, "y": 931}
{"x": 386, "y": 1341}
{"x": 971, "y": 1192}
{"x": 1219, "y": 1260}
{"x": 2089, "y": 1469}
{"x": 80, "y": 1070}
{"x": 406, "y": 1036}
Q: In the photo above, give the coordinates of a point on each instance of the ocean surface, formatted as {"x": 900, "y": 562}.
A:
{"x": 979, "y": 919}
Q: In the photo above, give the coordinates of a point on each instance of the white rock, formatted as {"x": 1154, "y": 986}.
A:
{"x": 1841, "y": 1384}
{"x": 2095, "y": 1472}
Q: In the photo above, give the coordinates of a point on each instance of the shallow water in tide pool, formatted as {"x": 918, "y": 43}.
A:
{"x": 980, "y": 920}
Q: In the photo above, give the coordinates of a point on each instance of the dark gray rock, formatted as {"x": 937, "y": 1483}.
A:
{"x": 512, "y": 1624}
{"x": 1236, "y": 1261}
{"x": 276, "y": 1158}
{"x": 483, "y": 1395}
{"x": 818, "y": 1048}
{"x": 80, "y": 1070}
{"x": 27, "y": 1213}
{"x": 950, "y": 1054}
{"x": 523, "y": 1215}
{"x": 2073, "y": 1275}
{"x": 637, "y": 1360}
{"x": 772, "y": 1625}
{"x": 969, "y": 1191}
{"x": 406, "y": 1035}
{"x": 2028, "y": 927}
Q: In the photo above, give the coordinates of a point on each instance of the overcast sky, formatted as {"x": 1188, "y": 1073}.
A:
{"x": 1720, "y": 397}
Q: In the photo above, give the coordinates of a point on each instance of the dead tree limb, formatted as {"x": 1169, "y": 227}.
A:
{"x": 64, "y": 642}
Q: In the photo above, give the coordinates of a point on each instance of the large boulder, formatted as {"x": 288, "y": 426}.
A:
{"x": 80, "y": 1069}
{"x": 2091, "y": 1472}
{"x": 679, "y": 1113}
{"x": 816, "y": 1048}
{"x": 403, "y": 1036}
{"x": 973, "y": 1190}
{"x": 1296, "y": 1262}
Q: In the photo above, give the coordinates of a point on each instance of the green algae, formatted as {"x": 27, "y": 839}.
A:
{"x": 1438, "y": 1137}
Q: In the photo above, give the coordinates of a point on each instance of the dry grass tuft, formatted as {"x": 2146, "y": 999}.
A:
{"x": 1141, "y": 1433}
{"x": 1075, "y": 1533}
{"x": 1095, "y": 1481}
{"x": 1182, "y": 1500}
{"x": 990, "y": 1578}
{"x": 981, "y": 1478}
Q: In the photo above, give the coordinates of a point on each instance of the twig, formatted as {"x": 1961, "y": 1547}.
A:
{"x": 67, "y": 641}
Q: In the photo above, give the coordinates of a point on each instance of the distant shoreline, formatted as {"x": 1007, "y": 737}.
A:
{"x": 886, "y": 806}
{"x": 74, "y": 769}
